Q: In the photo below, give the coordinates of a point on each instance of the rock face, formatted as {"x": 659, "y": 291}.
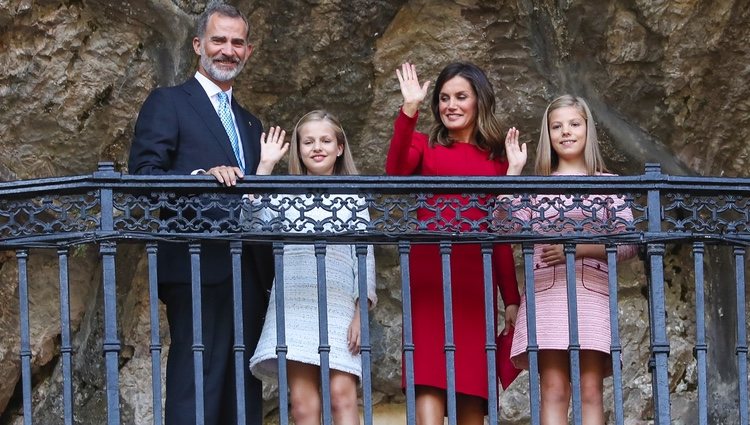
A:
{"x": 666, "y": 80}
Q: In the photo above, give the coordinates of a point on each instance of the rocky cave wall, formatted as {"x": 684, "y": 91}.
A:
{"x": 666, "y": 79}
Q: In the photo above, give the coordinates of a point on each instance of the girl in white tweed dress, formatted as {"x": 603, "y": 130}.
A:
{"x": 319, "y": 147}
{"x": 567, "y": 146}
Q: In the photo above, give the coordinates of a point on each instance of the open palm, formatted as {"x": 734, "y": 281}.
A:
{"x": 411, "y": 90}
{"x": 515, "y": 152}
{"x": 272, "y": 149}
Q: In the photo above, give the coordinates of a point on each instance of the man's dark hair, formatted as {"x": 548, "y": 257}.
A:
{"x": 222, "y": 9}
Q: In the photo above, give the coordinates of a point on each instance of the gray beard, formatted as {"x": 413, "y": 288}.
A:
{"x": 218, "y": 74}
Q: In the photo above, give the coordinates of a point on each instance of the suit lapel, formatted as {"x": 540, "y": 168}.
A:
{"x": 202, "y": 105}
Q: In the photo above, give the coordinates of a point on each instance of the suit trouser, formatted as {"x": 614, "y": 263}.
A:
{"x": 218, "y": 356}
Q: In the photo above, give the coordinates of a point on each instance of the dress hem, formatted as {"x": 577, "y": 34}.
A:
{"x": 265, "y": 368}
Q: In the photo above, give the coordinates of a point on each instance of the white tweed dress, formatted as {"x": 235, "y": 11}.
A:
{"x": 301, "y": 288}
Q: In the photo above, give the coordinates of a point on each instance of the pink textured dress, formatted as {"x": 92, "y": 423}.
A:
{"x": 550, "y": 293}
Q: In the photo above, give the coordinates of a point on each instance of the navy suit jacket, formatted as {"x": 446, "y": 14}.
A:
{"x": 178, "y": 131}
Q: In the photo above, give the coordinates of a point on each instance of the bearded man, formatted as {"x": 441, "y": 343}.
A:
{"x": 199, "y": 128}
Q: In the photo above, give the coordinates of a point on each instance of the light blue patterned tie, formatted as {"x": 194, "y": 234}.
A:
{"x": 226, "y": 119}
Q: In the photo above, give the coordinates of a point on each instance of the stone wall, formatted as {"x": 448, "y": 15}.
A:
{"x": 666, "y": 79}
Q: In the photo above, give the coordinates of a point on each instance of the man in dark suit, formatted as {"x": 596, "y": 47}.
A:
{"x": 198, "y": 128}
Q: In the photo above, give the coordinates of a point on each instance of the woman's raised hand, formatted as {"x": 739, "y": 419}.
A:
{"x": 411, "y": 90}
{"x": 272, "y": 149}
{"x": 515, "y": 152}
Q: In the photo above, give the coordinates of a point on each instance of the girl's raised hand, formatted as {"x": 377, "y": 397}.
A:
{"x": 272, "y": 149}
{"x": 515, "y": 152}
{"x": 411, "y": 90}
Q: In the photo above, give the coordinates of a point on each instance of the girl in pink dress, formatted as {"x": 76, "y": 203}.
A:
{"x": 465, "y": 140}
{"x": 567, "y": 146}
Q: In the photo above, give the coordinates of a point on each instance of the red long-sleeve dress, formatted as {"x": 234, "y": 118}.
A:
{"x": 409, "y": 154}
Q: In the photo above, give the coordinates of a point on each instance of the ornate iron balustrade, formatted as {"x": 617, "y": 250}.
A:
{"x": 650, "y": 210}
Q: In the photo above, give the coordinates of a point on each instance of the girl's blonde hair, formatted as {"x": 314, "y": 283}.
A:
{"x": 344, "y": 163}
{"x": 546, "y": 158}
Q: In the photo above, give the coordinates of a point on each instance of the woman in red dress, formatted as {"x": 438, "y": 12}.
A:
{"x": 465, "y": 140}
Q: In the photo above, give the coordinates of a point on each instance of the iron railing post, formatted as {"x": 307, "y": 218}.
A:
{"x": 22, "y": 256}
{"x": 574, "y": 345}
{"x": 281, "y": 347}
{"x": 365, "y": 347}
{"x": 616, "y": 345}
{"x": 490, "y": 333}
{"x": 235, "y": 249}
{"x": 532, "y": 347}
{"x": 659, "y": 341}
{"x": 66, "y": 348}
{"x": 108, "y": 249}
{"x": 155, "y": 346}
{"x": 404, "y": 247}
{"x": 701, "y": 348}
{"x": 450, "y": 345}
{"x": 198, "y": 348}
{"x": 324, "y": 347}
{"x": 741, "y": 350}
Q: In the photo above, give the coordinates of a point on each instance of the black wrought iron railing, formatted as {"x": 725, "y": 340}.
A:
{"x": 649, "y": 211}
